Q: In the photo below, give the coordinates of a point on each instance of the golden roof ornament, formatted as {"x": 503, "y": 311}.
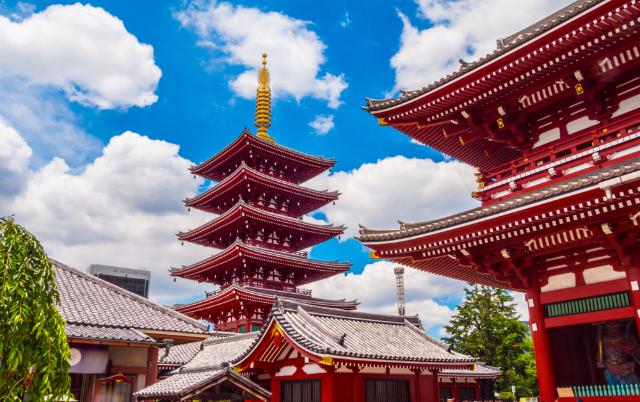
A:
{"x": 263, "y": 102}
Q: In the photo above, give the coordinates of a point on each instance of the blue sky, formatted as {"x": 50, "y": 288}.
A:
{"x": 103, "y": 107}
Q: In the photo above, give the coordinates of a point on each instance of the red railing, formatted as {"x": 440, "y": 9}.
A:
{"x": 576, "y": 155}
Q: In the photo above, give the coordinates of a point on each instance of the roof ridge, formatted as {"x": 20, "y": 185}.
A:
{"x": 124, "y": 292}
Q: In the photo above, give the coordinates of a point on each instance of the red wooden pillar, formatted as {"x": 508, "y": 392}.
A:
{"x": 455, "y": 392}
{"x": 436, "y": 386}
{"x": 152, "y": 366}
{"x": 418, "y": 397}
{"x": 633, "y": 276}
{"x": 275, "y": 388}
{"x": 357, "y": 385}
{"x": 478, "y": 391}
{"x": 541, "y": 347}
{"x": 328, "y": 385}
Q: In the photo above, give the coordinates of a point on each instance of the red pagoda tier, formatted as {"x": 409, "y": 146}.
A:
{"x": 551, "y": 119}
{"x": 260, "y": 228}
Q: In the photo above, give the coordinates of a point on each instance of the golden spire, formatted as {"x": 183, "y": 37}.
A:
{"x": 263, "y": 102}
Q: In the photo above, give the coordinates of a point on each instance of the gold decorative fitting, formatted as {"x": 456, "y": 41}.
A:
{"x": 326, "y": 361}
{"x": 263, "y": 102}
{"x": 474, "y": 194}
{"x": 461, "y": 140}
{"x": 579, "y": 89}
{"x": 382, "y": 122}
{"x": 373, "y": 255}
{"x": 500, "y": 123}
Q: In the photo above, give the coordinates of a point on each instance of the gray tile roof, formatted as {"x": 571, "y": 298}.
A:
{"x": 504, "y": 45}
{"x": 96, "y": 309}
{"x": 412, "y": 229}
{"x": 180, "y": 385}
{"x": 209, "y": 365}
{"x": 215, "y": 352}
{"x": 358, "y": 335}
{"x": 178, "y": 354}
{"x": 480, "y": 370}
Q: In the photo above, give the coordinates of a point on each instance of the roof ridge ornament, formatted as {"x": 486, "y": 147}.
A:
{"x": 263, "y": 102}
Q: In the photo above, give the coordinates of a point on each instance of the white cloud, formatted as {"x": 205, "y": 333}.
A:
{"x": 376, "y": 291}
{"x": 457, "y": 29}
{"x": 411, "y": 189}
{"x": 241, "y": 34}
{"x": 322, "y": 124}
{"x": 82, "y": 50}
{"x": 14, "y": 159}
{"x": 124, "y": 208}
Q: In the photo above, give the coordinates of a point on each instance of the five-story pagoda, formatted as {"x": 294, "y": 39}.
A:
{"x": 259, "y": 228}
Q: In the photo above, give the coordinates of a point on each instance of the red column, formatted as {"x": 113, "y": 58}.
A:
{"x": 633, "y": 276}
{"x": 357, "y": 386}
{"x": 436, "y": 386}
{"x": 455, "y": 392}
{"x": 152, "y": 366}
{"x": 541, "y": 347}
{"x": 327, "y": 384}
{"x": 418, "y": 397}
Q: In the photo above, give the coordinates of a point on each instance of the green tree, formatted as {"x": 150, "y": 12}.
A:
{"x": 33, "y": 346}
{"x": 487, "y": 326}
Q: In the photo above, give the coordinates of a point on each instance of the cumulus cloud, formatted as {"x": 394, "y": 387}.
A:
{"x": 425, "y": 294}
{"x": 322, "y": 124}
{"x": 457, "y": 29}
{"x": 121, "y": 209}
{"x": 14, "y": 159}
{"x": 240, "y": 34}
{"x": 411, "y": 189}
{"x": 82, "y": 50}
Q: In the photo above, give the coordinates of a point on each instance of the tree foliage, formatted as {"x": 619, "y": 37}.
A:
{"x": 33, "y": 346}
{"x": 487, "y": 326}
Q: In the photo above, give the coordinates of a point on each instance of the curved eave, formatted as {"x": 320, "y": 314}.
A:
{"x": 244, "y": 211}
{"x": 247, "y": 140}
{"x": 245, "y": 174}
{"x": 534, "y": 36}
{"x": 239, "y": 250}
{"x": 234, "y": 293}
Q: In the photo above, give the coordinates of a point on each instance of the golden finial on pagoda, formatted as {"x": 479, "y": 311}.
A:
{"x": 263, "y": 102}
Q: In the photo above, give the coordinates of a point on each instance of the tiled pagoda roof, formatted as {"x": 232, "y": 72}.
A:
{"x": 247, "y": 144}
{"x": 358, "y": 336}
{"x": 504, "y": 46}
{"x": 96, "y": 309}
{"x": 242, "y": 212}
{"x": 208, "y": 367}
{"x": 267, "y": 297}
{"x": 242, "y": 251}
{"x": 238, "y": 181}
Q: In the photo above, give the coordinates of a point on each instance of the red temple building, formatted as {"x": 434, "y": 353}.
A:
{"x": 260, "y": 204}
{"x": 551, "y": 120}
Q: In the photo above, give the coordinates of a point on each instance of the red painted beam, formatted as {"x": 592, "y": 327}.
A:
{"x": 581, "y": 292}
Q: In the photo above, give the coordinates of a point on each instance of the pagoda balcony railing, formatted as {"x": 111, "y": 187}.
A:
{"x": 578, "y": 154}
{"x": 275, "y": 247}
{"x": 253, "y": 283}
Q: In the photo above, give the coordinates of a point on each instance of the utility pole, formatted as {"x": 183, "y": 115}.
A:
{"x": 399, "y": 271}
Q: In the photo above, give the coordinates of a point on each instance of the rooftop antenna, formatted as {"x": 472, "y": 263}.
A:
{"x": 399, "y": 271}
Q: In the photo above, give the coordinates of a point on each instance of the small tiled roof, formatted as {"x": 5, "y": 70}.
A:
{"x": 182, "y": 384}
{"x": 209, "y": 366}
{"x": 178, "y": 355}
{"x": 413, "y": 229}
{"x": 358, "y": 335}
{"x": 504, "y": 46}
{"x": 216, "y": 351}
{"x": 96, "y": 309}
{"x": 480, "y": 370}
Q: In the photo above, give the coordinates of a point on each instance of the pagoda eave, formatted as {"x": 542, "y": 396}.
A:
{"x": 236, "y": 254}
{"x": 241, "y": 214}
{"x": 246, "y": 179}
{"x": 246, "y": 143}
